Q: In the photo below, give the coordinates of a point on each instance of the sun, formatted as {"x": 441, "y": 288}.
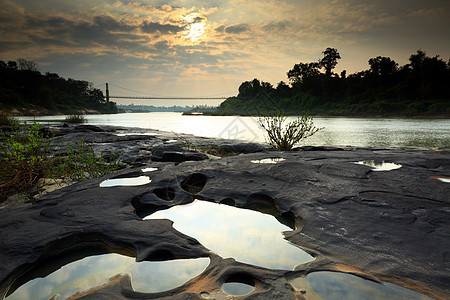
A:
{"x": 196, "y": 31}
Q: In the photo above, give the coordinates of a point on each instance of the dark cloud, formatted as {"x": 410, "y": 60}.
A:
{"x": 235, "y": 29}
{"x": 154, "y": 27}
{"x": 221, "y": 28}
{"x": 198, "y": 19}
{"x": 278, "y": 26}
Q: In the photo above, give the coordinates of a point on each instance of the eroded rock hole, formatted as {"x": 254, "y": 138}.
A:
{"x": 143, "y": 205}
{"x": 166, "y": 193}
{"x": 194, "y": 183}
{"x": 228, "y": 201}
{"x": 288, "y": 218}
{"x": 261, "y": 202}
{"x": 239, "y": 284}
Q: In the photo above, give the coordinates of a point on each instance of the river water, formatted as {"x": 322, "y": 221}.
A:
{"x": 338, "y": 131}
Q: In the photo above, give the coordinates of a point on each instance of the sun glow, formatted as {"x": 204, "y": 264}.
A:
{"x": 196, "y": 31}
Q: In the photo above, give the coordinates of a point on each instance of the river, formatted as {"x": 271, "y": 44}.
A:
{"x": 337, "y": 131}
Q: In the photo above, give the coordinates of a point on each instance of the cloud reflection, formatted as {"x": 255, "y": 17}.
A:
{"x": 147, "y": 277}
{"x": 337, "y": 286}
{"x": 245, "y": 235}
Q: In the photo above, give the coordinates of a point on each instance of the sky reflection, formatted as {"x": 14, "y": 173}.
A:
{"x": 134, "y": 181}
{"x": 379, "y": 165}
{"x": 337, "y": 286}
{"x": 147, "y": 277}
{"x": 245, "y": 235}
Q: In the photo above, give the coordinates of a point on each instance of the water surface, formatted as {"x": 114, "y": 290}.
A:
{"x": 132, "y": 181}
{"x": 337, "y": 286}
{"x": 81, "y": 275}
{"x": 245, "y": 235}
{"x": 338, "y": 131}
{"x": 379, "y": 165}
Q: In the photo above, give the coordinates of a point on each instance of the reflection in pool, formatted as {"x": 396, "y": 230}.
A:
{"x": 81, "y": 275}
{"x": 237, "y": 288}
{"x": 379, "y": 165}
{"x": 245, "y": 235}
{"x": 336, "y": 286}
{"x": 273, "y": 160}
{"x": 138, "y": 133}
{"x": 149, "y": 169}
{"x": 443, "y": 179}
{"x": 134, "y": 181}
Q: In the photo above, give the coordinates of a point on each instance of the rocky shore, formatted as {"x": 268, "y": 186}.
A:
{"x": 389, "y": 226}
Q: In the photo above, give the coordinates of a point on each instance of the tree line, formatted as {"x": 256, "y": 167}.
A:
{"x": 419, "y": 88}
{"x": 23, "y": 86}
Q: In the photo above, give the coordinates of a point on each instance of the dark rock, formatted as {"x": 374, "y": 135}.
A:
{"x": 158, "y": 151}
{"x": 317, "y": 148}
{"x": 242, "y": 148}
{"x": 170, "y": 156}
{"x": 88, "y": 128}
{"x": 392, "y": 226}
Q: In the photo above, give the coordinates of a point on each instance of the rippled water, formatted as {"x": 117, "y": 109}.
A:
{"x": 338, "y": 131}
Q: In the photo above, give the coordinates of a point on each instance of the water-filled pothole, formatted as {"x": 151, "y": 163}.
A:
{"x": 237, "y": 288}
{"x": 132, "y": 181}
{"x": 441, "y": 178}
{"x": 245, "y": 235}
{"x": 379, "y": 165}
{"x": 238, "y": 285}
{"x": 273, "y": 160}
{"x": 194, "y": 183}
{"x": 138, "y": 133}
{"x": 81, "y": 275}
{"x": 337, "y": 285}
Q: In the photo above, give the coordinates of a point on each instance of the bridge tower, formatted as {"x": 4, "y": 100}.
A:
{"x": 107, "y": 93}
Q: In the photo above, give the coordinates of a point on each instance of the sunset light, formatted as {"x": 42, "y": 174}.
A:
{"x": 196, "y": 31}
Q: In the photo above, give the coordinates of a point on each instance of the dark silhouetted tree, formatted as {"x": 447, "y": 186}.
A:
{"x": 329, "y": 60}
{"x": 27, "y": 65}
{"x": 301, "y": 72}
{"x": 383, "y": 66}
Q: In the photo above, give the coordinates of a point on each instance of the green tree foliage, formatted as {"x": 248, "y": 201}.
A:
{"x": 23, "y": 86}
{"x": 419, "y": 88}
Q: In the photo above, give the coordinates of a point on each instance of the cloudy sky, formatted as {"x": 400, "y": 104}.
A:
{"x": 208, "y": 47}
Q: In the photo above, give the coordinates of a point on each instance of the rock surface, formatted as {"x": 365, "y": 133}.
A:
{"x": 391, "y": 226}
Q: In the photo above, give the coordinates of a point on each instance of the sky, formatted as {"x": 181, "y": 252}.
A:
{"x": 206, "y": 48}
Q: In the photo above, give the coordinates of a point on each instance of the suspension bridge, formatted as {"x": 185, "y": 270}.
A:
{"x": 156, "y": 97}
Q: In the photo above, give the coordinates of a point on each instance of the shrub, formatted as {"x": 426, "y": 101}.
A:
{"x": 284, "y": 135}
{"x": 81, "y": 163}
{"x": 24, "y": 159}
{"x": 8, "y": 121}
{"x": 27, "y": 155}
{"x": 75, "y": 119}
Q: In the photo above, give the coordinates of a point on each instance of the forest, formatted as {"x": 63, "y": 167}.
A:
{"x": 420, "y": 88}
{"x": 22, "y": 86}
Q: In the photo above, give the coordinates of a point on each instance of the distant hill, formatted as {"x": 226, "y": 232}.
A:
{"x": 418, "y": 89}
{"x": 24, "y": 90}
